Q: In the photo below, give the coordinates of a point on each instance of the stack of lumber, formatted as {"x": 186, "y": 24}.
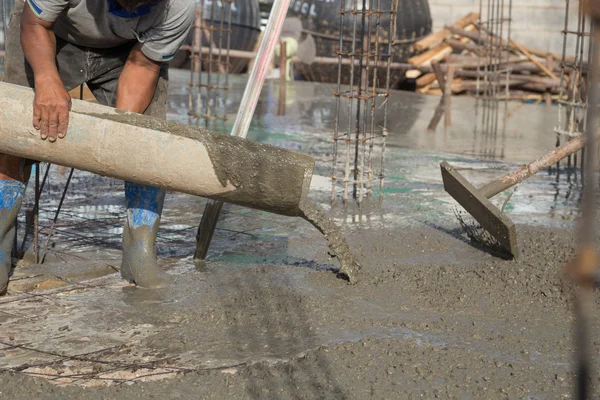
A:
{"x": 473, "y": 52}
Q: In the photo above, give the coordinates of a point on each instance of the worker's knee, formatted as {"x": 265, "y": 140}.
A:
{"x": 13, "y": 168}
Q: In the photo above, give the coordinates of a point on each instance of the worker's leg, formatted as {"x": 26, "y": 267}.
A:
{"x": 15, "y": 171}
{"x": 13, "y": 174}
{"x": 18, "y": 72}
{"x": 144, "y": 203}
{"x": 11, "y": 196}
{"x": 144, "y": 207}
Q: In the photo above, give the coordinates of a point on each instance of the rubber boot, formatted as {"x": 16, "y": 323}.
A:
{"x": 144, "y": 206}
{"x": 11, "y": 197}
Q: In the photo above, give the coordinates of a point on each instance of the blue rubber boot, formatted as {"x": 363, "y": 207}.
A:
{"x": 144, "y": 207}
{"x": 11, "y": 197}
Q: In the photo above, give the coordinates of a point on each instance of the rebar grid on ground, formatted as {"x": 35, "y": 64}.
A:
{"x": 572, "y": 101}
{"x": 492, "y": 74}
{"x": 366, "y": 108}
{"x": 208, "y": 93}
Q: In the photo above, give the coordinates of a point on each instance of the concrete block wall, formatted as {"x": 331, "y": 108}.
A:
{"x": 535, "y": 23}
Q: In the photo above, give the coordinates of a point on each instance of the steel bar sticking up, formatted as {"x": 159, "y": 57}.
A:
{"x": 492, "y": 74}
{"x": 209, "y": 71}
{"x": 362, "y": 106}
{"x": 572, "y": 101}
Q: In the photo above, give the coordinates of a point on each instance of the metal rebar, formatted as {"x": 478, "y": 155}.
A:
{"x": 493, "y": 72}
{"x": 56, "y": 215}
{"x": 36, "y": 213}
{"x": 572, "y": 102}
{"x": 364, "y": 64}
{"x": 336, "y": 125}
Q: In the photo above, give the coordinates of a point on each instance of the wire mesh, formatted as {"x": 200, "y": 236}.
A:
{"x": 572, "y": 101}
{"x": 209, "y": 70}
{"x": 360, "y": 130}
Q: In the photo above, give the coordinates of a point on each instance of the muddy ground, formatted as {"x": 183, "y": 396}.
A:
{"x": 485, "y": 328}
{"x": 433, "y": 315}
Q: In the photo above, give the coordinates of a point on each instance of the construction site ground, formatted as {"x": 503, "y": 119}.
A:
{"x": 433, "y": 315}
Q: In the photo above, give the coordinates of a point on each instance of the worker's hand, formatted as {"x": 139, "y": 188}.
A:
{"x": 51, "y": 108}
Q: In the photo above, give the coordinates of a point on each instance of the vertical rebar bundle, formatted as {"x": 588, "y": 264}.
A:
{"x": 493, "y": 71}
{"x": 210, "y": 64}
{"x": 573, "y": 101}
{"x": 361, "y": 106}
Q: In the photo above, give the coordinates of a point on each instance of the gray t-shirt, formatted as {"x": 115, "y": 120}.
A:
{"x": 161, "y": 27}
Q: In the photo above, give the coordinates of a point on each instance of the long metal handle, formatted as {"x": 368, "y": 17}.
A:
{"x": 260, "y": 68}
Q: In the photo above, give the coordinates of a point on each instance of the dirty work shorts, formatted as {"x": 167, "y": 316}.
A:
{"x": 98, "y": 68}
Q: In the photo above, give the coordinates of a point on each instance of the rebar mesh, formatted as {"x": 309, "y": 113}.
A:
{"x": 209, "y": 70}
{"x": 87, "y": 223}
{"x": 493, "y": 71}
{"x": 362, "y": 106}
{"x": 572, "y": 101}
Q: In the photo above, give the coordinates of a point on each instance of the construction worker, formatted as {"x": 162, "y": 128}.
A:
{"x": 120, "y": 49}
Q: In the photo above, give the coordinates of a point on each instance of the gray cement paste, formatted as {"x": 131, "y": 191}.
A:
{"x": 432, "y": 318}
{"x": 349, "y": 267}
{"x": 259, "y": 170}
{"x": 266, "y": 177}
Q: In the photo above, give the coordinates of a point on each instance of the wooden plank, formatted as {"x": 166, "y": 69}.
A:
{"x": 474, "y": 36}
{"x": 412, "y": 74}
{"x": 439, "y": 75}
{"x": 421, "y": 59}
{"x": 462, "y": 46}
{"x": 424, "y": 90}
{"x": 436, "y": 37}
{"x": 437, "y": 53}
{"x": 448, "y": 96}
{"x": 534, "y": 60}
{"x": 435, "y": 91}
{"x": 437, "y": 116}
{"x": 425, "y": 80}
{"x": 548, "y": 94}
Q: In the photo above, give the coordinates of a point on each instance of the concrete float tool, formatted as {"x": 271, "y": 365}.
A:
{"x": 476, "y": 201}
{"x": 262, "y": 63}
{"x": 148, "y": 151}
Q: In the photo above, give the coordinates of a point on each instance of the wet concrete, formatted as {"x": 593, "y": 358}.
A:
{"x": 349, "y": 267}
{"x": 264, "y": 317}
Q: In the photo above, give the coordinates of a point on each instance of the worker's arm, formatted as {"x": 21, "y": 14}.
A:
{"x": 157, "y": 45}
{"x": 137, "y": 82}
{"x": 52, "y": 102}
